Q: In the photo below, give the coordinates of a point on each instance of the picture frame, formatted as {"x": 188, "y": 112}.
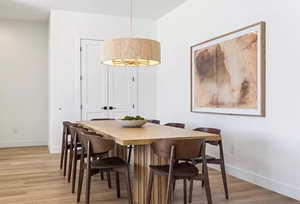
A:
{"x": 228, "y": 73}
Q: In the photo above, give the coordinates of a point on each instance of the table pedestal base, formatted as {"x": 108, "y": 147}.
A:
{"x": 143, "y": 157}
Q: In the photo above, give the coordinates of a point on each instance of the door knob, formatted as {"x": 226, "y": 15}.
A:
{"x": 104, "y": 108}
{"x": 111, "y": 108}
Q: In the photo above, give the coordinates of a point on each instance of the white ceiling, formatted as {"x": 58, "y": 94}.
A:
{"x": 40, "y": 9}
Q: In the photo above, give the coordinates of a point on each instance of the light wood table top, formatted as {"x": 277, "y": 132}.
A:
{"x": 145, "y": 135}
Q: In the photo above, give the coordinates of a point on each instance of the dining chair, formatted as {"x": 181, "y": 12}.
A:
{"x": 95, "y": 146}
{"x": 79, "y": 151}
{"x": 174, "y": 151}
{"x": 102, "y": 175}
{"x": 177, "y": 125}
{"x": 154, "y": 121}
{"x": 212, "y": 160}
{"x": 130, "y": 147}
{"x": 65, "y": 146}
{"x": 73, "y": 147}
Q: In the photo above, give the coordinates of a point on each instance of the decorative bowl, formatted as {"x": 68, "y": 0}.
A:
{"x": 132, "y": 123}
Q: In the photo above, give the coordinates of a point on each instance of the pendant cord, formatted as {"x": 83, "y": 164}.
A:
{"x": 131, "y": 17}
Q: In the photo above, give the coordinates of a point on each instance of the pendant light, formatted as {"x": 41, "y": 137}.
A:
{"x": 131, "y": 52}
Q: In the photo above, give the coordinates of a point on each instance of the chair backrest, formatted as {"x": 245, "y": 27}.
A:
{"x": 154, "y": 121}
{"x": 177, "y": 125}
{"x": 66, "y": 127}
{"x": 99, "y": 119}
{"x": 98, "y": 144}
{"x": 74, "y": 129}
{"x": 209, "y": 130}
{"x": 77, "y": 131}
{"x": 184, "y": 149}
{"x": 212, "y": 131}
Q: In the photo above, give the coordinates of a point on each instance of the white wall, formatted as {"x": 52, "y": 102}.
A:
{"x": 261, "y": 150}
{"x": 23, "y": 83}
{"x": 66, "y": 30}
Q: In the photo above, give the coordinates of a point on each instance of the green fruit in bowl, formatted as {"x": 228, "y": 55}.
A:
{"x": 139, "y": 118}
{"x": 133, "y": 118}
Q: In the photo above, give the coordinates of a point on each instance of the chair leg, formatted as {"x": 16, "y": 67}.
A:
{"x": 174, "y": 185}
{"x": 108, "y": 179}
{"x": 65, "y": 159}
{"x": 74, "y": 174}
{"x": 150, "y": 186}
{"x": 128, "y": 185}
{"x": 88, "y": 187}
{"x": 191, "y": 190}
{"x": 206, "y": 182}
{"x": 223, "y": 171}
{"x": 184, "y": 191}
{"x": 102, "y": 176}
{"x": 129, "y": 154}
{"x": 70, "y": 163}
{"x": 171, "y": 195}
{"x": 202, "y": 182}
{"x": 207, "y": 190}
{"x": 62, "y": 152}
{"x": 118, "y": 185}
{"x": 81, "y": 173}
{"x": 170, "y": 191}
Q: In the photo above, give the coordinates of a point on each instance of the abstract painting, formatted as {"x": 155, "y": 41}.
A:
{"x": 228, "y": 73}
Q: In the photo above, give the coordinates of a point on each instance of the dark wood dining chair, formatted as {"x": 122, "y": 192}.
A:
{"x": 212, "y": 160}
{"x": 108, "y": 174}
{"x": 175, "y": 151}
{"x": 154, "y": 121}
{"x": 130, "y": 147}
{"x": 177, "y": 125}
{"x": 95, "y": 145}
{"x": 79, "y": 151}
{"x": 66, "y": 146}
{"x": 73, "y": 147}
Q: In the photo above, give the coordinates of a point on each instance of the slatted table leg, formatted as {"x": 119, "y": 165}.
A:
{"x": 143, "y": 157}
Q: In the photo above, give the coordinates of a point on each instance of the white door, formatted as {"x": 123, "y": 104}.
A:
{"x": 105, "y": 92}
{"x": 122, "y": 91}
{"x": 94, "y": 83}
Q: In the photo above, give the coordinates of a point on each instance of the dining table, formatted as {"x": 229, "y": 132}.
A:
{"x": 141, "y": 139}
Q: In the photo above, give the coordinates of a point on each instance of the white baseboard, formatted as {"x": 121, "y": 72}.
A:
{"x": 23, "y": 143}
{"x": 265, "y": 182}
{"x": 54, "y": 149}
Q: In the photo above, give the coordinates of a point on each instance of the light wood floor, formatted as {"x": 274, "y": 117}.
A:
{"x": 30, "y": 175}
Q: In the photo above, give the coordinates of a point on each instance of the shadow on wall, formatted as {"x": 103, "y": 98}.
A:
{"x": 22, "y": 9}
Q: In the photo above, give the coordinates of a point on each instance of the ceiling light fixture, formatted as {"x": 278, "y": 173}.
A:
{"x": 131, "y": 52}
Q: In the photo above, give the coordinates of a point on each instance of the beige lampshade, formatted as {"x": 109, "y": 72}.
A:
{"x": 132, "y": 52}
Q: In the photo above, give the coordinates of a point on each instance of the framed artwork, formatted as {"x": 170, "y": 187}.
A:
{"x": 228, "y": 73}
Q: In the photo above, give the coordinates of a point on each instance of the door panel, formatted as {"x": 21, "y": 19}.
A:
{"x": 94, "y": 81}
{"x": 122, "y": 91}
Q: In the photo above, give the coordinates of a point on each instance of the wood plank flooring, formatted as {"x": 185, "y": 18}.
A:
{"x": 30, "y": 175}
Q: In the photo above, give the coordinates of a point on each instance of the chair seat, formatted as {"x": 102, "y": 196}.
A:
{"x": 215, "y": 143}
{"x": 69, "y": 145}
{"x": 208, "y": 159}
{"x": 184, "y": 169}
{"x": 79, "y": 152}
{"x": 108, "y": 163}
